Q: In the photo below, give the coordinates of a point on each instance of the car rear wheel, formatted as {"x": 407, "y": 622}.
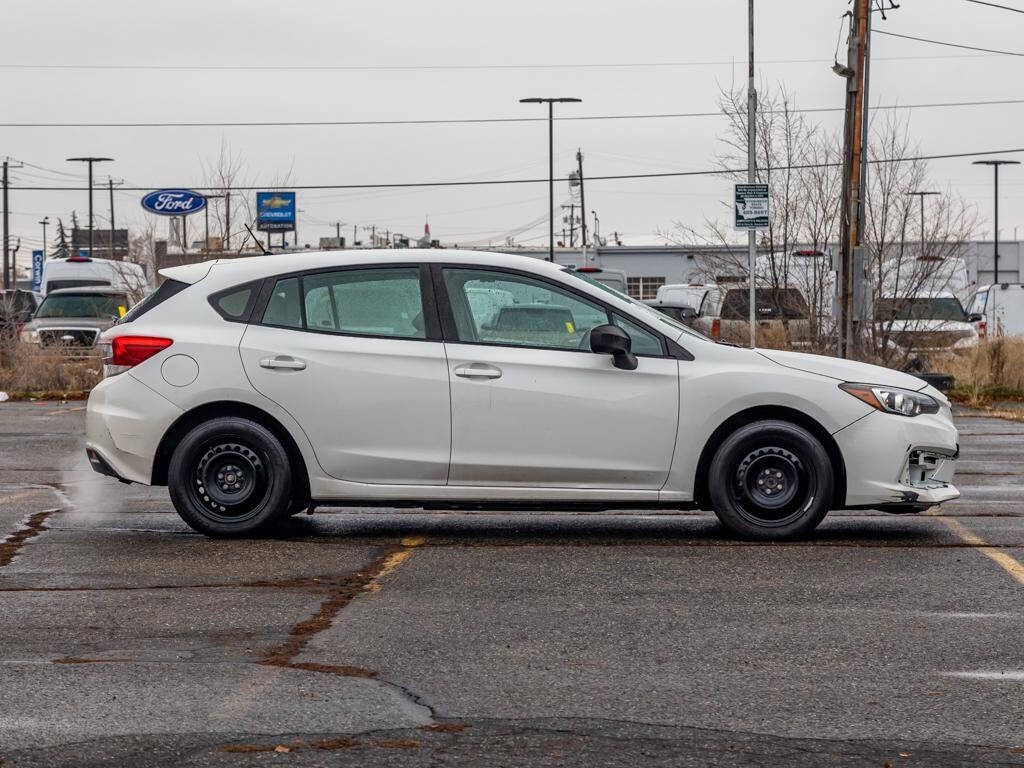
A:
{"x": 230, "y": 477}
{"x": 771, "y": 480}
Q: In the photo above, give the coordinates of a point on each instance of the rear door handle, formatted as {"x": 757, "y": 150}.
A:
{"x": 283, "y": 362}
{"x": 478, "y": 371}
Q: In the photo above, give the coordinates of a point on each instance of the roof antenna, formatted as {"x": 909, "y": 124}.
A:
{"x": 258, "y": 241}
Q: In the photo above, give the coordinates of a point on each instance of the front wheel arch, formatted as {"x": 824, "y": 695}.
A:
{"x": 701, "y": 491}
{"x": 187, "y": 421}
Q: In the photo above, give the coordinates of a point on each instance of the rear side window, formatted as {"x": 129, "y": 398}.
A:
{"x": 236, "y": 303}
{"x": 168, "y": 289}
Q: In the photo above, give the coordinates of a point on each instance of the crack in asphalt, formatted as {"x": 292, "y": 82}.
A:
{"x": 34, "y": 525}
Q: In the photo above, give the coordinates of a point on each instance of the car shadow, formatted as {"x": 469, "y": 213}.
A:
{"x": 575, "y": 529}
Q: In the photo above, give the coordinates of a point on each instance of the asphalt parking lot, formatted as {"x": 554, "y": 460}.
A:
{"x": 409, "y": 638}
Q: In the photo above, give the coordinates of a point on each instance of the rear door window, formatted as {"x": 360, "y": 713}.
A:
{"x": 366, "y": 302}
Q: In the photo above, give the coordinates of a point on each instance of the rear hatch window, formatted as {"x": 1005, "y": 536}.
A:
{"x": 168, "y": 289}
{"x": 771, "y": 304}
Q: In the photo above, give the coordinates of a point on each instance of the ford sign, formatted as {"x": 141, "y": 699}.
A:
{"x": 173, "y": 202}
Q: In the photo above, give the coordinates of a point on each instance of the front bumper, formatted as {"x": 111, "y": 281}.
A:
{"x": 900, "y": 464}
{"x": 125, "y": 421}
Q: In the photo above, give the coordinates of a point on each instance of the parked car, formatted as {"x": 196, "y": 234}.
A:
{"x": 16, "y": 308}
{"x": 85, "y": 272}
{"x": 782, "y": 313}
{"x": 685, "y": 295}
{"x": 998, "y": 310}
{"x": 223, "y": 387}
{"x": 924, "y": 323}
{"x": 75, "y": 317}
{"x": 613, "y": 278}
{"x": 682, "y": 313}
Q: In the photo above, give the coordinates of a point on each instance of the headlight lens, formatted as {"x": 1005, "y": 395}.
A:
{"x": 29, "y": 336}
{"x": 903, "y": 402}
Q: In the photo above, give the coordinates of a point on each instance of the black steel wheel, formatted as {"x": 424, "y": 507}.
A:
{"x": 230, "y": 477}
{"x": 771, "y": 480}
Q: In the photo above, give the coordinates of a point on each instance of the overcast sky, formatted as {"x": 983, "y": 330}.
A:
{"x": 456, "y": 33}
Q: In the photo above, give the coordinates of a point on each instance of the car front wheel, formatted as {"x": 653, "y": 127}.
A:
{"x": 771, "y": 480}
{"x": 230, "y": 477}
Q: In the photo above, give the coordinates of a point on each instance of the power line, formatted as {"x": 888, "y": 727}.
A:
{"x": 416, "y": 67}
{"x": 950, "y": 45}
{"x": 996, "y": 5}
{"x": 486, "y": 120}
{"x": 498, "y": 182}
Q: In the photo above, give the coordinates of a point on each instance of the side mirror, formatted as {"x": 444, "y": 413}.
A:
{"x": 687, "y": 313}
{"x": 975, "y": 318}
{"x": 612, "y": 340}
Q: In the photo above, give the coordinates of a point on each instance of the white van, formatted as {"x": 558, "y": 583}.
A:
{"x": 84, "y": 272}
{"x": 998, "y": 309}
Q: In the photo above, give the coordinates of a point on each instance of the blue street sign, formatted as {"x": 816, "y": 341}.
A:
{"x": 174, "y": 202}
{"x": 37, "y": 271}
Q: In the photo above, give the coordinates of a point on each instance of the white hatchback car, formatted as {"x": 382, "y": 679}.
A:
{"x": 256, "y": 388}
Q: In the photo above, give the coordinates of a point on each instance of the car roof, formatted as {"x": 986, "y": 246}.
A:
{"x": 101, "y": 289}
{"x": 258, "y": 267}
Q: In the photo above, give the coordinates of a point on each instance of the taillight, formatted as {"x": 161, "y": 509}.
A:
{"x": 124, "y": 352}
{"x": 983, "y": 329}
{"x": 716, "y": 329}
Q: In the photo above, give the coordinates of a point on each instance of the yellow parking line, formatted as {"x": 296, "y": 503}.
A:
{"x": 1005, "y": 561}
{"x": 395, "y": 559}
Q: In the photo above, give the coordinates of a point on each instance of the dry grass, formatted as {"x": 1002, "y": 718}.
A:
{"x": 53, "y": 372}
{"x": 994, "y": 370}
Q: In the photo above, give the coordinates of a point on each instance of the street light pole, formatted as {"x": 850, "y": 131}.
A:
{"x": 551, "y": 162}
{"x": 44, "y": 222}
{"x": 921, "y": 196}
{"x": 995, "y": 239}
{"x": 91, "y": 161}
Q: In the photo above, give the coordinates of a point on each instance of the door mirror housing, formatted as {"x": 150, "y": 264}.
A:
{"x": 975, "y": 318}
{"x": 612, "y": 340}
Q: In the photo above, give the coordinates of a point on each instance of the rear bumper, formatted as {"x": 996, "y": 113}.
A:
{"x": 899, "y": 464}
{"x": 124, "y": 423}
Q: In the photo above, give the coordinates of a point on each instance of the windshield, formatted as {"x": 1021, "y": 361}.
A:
{"x": 650, "y": 315}
{"x": 921, "y": 309}
{"x": 95, "y": 305}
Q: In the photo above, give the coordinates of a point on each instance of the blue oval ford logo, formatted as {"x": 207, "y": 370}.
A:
{"x": 174, "y": 202}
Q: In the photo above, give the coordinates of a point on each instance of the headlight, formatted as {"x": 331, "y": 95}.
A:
{"x": 903, "y": 402}
{"x": 29, "y": 336}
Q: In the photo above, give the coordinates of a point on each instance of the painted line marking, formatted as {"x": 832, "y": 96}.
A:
{"x": 392, "y": 561}
{"x": 1005, "y": 561}
{"x": 1012, "y": 676}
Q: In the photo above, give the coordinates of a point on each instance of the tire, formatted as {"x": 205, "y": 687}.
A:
{"x": 230, "y": 477}
{"x": 771, "y": 481}
{"x": 296, "y": 507}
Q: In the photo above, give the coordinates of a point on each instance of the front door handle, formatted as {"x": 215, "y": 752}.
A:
{"x": 478, "y": 371}
{"x": 283, "y": 362}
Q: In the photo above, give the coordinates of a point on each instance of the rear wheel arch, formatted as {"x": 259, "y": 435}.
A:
{"x": 203, "y": 413}
{"x": 762, "y": 413}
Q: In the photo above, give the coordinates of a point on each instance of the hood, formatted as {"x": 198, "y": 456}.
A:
{"x": 39, "y": 323}
{"x": 928, "y": 326}
{"x": 843, "y": 370}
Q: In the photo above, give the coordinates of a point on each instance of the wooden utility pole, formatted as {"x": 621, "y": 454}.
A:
{"x": 852, "y": 224}
{"x": 751, "y": 173}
